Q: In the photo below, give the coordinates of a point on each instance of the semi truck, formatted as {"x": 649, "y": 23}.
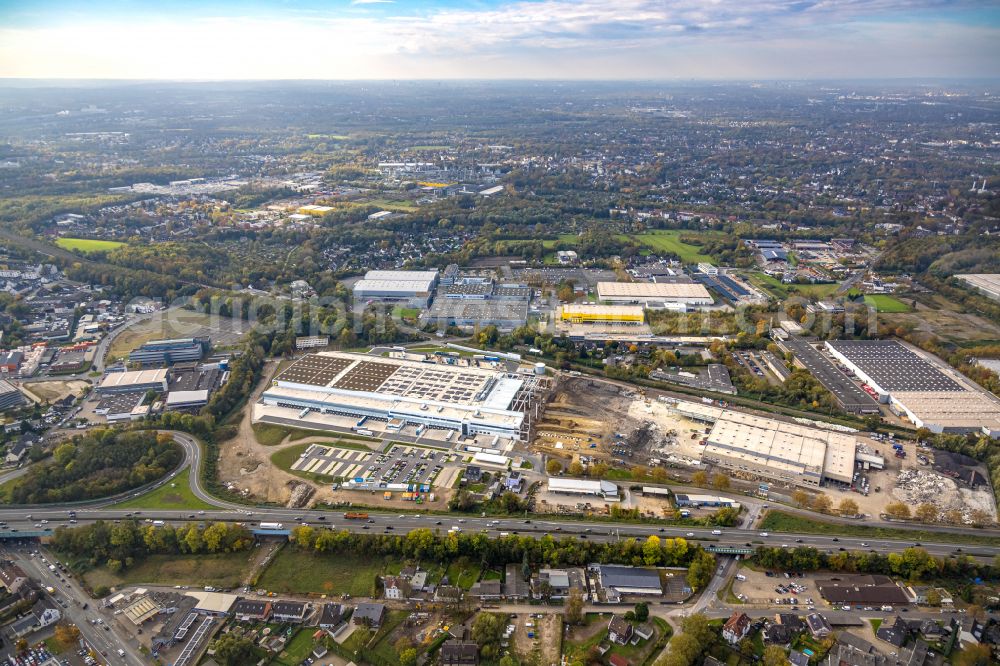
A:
{"x": 354, "y": 515}
{"x": 271, "y": 526}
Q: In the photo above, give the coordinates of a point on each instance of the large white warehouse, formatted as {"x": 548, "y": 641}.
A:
{"x": 465, "y": 399}
{"x": 412, "y": 288}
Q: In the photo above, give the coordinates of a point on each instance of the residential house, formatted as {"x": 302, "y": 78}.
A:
{"x": 251, "y": 610}
{"x": 331, "y": 616}
{"x": 818, "y": 625}
{"x": 289, "y": 611}
{"x": 459, "y": 653}
{"x": 736, "y": 627}
{"x": 371, "y": 615}
{"x": 487, "y": 590}
{"x": 448, "y": 594}
{"x": 618, "y": 660}
{"x": 396, "y": 588}
{"x": 42, "y": 615}
{"x": 16, "y": 452}
{"x": 796, "y": 658}
{"x": 619, "y": 630}
{"x": 515, "y": 588}
{"x": 13, "y": 577}
{"x": 896, "y": 632}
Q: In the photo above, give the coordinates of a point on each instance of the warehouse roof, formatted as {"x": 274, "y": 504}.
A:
{"x": 559, "y": 484}
{"x": 136, "y": 377}
{"x": 630, "y": 577}
{"x": 893, "y": 366}
{"x": 652, "y": 290}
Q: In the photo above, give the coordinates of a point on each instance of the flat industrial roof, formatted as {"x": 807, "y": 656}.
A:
{"x": 652, "y": 290}
{"x": 401, "y": 275}
{"x": 788, "y": 446}
{"x": 394, "y": 286}
{"x": 893, "y": 366}
{"x": 134, "y": 377}
{"x": 182, "y": 397}
{"x": 966, "y": 410}
{"x": 600, "y": 309}
{"x": 560, "y": 484}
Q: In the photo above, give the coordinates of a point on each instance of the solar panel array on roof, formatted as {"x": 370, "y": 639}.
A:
{"x": 894, "y": 367}
{"x": 314, "y": 370}
{"x": 366, "y": 376}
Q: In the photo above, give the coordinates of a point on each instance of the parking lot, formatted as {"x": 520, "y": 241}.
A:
{"x": 850, "y": 396}
{"x": 400, "y": 463}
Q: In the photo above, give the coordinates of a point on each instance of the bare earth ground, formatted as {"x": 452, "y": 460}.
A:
{"x": 547, "y": 642}
{"x": 246, "y": 463}
{"x": 56, "y": 390}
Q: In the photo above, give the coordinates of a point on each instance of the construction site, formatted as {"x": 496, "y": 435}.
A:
{"x": 591, "y": 421}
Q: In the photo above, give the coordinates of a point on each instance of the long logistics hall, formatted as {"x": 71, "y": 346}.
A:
{"x": 930, "y": 394}
{"x": 338, "y": 389}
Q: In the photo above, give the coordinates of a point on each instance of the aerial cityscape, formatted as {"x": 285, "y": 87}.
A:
{"x": 501, "y": 333}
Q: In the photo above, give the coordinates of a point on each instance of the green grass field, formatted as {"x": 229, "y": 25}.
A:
{"x": 297, "y": 649}
{"x": 463, "y": 577}
{"x": 87, "y": 245}
{"x": 269, "y": 434}
{"x": 220, "y": 570}
{"x": 886, "y": 303}
{"x": 814, "y": 290}
{"x": 174, "y": 495}
{"x": 296, "y": 572}
{"x": 669, "y": 241}
{"x": 779, "y": 521}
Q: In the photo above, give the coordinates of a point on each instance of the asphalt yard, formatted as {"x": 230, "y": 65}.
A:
{"x": 850, "y": 396}
{"x": 399, "y": 464}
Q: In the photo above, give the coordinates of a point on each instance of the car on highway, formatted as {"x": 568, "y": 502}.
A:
{"x": 690, "y": 534}
{"x": 764, "y": 534}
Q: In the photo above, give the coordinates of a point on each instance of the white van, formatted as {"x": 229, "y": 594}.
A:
{"x": 716, "y": 532}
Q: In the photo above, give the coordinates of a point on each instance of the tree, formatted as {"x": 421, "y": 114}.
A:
{"x": 553, "y": 467}
{"x": 720, "y": 481}
{"x": 233, "y": 651}
{"x": 487, "y": 631}
{"x": 575, "y": 468}
{"x": 974, "y": 654}
{"x": 774, "y": 655}
{"x": 822, "y": 503}
{"x": 659, "y": 474}
{"x": 700, "y": 570}
{"x": 801, "y": 498}
{"x": 699, "y": 478}
{"x": 897, "y": 510}
{"x": 574, "y": 607}
{"x": 927, "y": 513}
{"x": 848, "y": 507}
{"x": 641, "y": 611}
{"x": 21, "y": 645}
{"x": 67, "y": 634}
{"x": 408, "y": 657}
{"x": 933, "y": 597}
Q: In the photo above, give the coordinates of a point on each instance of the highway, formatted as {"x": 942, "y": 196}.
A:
{"x": 382, "y": 522}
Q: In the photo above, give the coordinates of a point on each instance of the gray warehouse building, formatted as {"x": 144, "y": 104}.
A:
{"x": 411, "y": 288}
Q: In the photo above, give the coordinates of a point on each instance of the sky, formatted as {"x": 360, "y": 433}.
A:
{"x": 499, "y": 39}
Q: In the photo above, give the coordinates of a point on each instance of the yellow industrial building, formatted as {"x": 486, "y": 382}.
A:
{"x": 594, "y": 313}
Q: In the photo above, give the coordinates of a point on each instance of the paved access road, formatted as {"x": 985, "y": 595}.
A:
{"x": 386, "y": 522}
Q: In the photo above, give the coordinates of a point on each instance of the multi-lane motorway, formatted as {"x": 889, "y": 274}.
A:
{"x": 18, "y": 519}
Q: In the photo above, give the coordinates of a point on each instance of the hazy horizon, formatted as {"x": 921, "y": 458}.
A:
{"x": 640, "y": 40}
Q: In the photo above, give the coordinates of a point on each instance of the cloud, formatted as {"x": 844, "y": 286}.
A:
{"x": 372, "y": 2}
{"x": 519, "y": 39}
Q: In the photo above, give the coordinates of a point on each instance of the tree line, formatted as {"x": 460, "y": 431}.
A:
{"x": 122, "y": 545}
{"x": 425, "y": 544}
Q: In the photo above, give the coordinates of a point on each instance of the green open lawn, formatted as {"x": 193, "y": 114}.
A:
{"x": 886, "y": 303}
{"x": 297, "y": 649}
{"x": 780, "y": 290}
{"x": 87, "y": 245}
{"x": 464, "y": 577}
{"x": 174, "y": 495}
{"x": 296, "y": 572}
{"x": 219, "y": 570}
{"x": 269, "y": 434}
{"x": 669, "y": 241}
{"x": 384, "y": 643}
{"x": 780, "y": 521}
{"x": 285, "y": 458}
{"x": 814, "y": 290}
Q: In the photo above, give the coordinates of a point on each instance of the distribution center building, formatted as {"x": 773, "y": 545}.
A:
{"x": 929, "y": 393}
{"x": 653, "y": 294}
{"x": 788, "y": 452}
{"x": 466, "y": 399}
{"x": 595, "y": 313}
{"x": 412, "y": 288}
{"x": 129, "y": 382}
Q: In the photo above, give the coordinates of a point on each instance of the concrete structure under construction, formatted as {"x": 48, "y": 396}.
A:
{"x": 463, "y": 398}
{"x": 919, "y": 386}
{"x": 654, "y": 294}
{"x": 766, "y": 448}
